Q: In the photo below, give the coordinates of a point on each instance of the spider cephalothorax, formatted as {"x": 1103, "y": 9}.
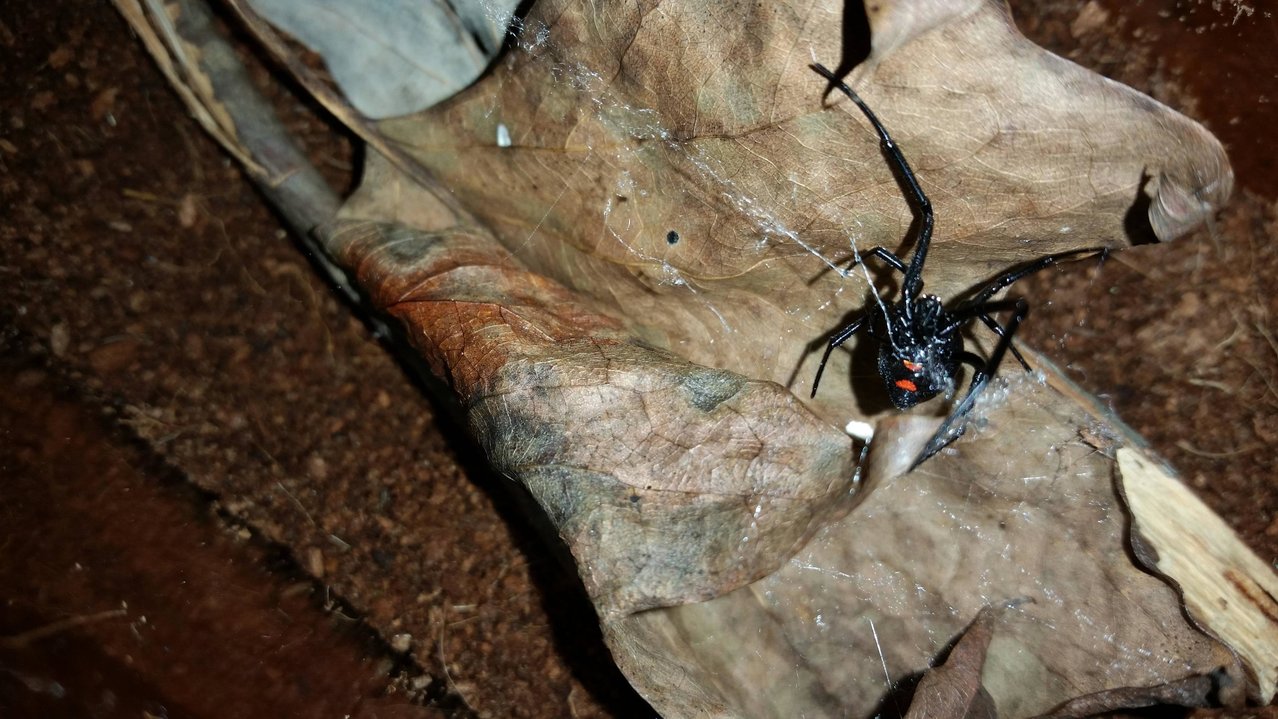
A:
{"x": 919, "y": 339}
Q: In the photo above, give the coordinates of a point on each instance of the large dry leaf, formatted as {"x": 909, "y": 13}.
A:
{"x": 676, "y": 169}
{"x": 704, "y": 119}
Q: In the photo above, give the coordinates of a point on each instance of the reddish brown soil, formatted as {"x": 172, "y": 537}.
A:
{"x": 144, "y": 278}
{"x": 1181, "y": 338}
{"x": 195, "y": 427}
{"x": 120, "y": 599}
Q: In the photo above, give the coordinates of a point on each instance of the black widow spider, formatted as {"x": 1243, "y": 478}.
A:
{"x": 919, "y": 340}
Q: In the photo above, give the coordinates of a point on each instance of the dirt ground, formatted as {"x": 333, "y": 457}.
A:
{"x": 222, "y": 497}
{"x": 1179, "y": 337}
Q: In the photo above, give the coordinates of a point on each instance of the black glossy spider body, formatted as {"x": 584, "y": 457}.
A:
{"x": 917, "y": 358}
{"x": 919, "y": 340}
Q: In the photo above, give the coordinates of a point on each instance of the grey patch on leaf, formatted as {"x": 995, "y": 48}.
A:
{"x": 708, "y": 388}
{"x": 640, "y": 558}
{"x": 526, "y": 439}
{"x": 569, "y": 425}
{"x": 404, "y": 246}
{"x": 396, "y": 57}
{"x": 552, "y": 487}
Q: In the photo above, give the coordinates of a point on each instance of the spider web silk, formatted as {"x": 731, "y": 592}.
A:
{"x": 534, "y": 39}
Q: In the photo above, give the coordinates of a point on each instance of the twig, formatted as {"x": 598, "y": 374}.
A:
{"x": 1185, "y": 445}
{"x": 299, "y": 504}
{"x": 21, "y": 641}
{"x": 443, "y": 661}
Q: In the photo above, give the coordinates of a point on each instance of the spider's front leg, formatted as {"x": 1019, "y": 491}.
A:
{"x": 982, "y": 370}
{"x": 1007, "y": 278}
{"x": 838, "y": 339}
{"x": 980, "y": 307}
{"x": 913, "y": 284}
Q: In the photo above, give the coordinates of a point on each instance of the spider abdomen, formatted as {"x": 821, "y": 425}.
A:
{"x": 917, "y": 359}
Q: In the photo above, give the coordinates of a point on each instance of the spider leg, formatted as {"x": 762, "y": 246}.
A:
{"x": 883, "y": 254}
{"x": 839, "y": 338}
{"x": 998, "y": 330}
{"x": 1016, "y": 273}
{"x": 951, "y": 429}
{"x": 913, "y": 284}
{"x": 844, "y": 334}
{"x": 948, "y": 432}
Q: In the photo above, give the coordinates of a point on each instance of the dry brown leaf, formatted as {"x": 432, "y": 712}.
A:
{"x": 672, "y": 482}
{"x": 704, "y": 119}
{"x": 668, "y": 480}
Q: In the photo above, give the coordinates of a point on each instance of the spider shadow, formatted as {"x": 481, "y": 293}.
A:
{"x": 855, "y": 46}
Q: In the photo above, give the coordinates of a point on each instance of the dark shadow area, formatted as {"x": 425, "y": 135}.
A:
{"x": 870, "y": 395}
{"x": 855, "y": 47}
{"x": 1157, "y": 711}
{"x": 1136, "y": 221}
{"x": 896, "y": 703}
